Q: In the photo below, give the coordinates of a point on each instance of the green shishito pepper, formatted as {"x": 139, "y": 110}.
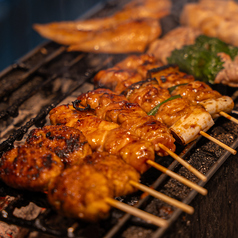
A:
{"x": 153, "y": 111}
{"x": 201, "y": 59}
{"x": 171, "y": 89}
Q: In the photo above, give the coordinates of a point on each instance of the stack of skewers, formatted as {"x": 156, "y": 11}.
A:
{"x": 99, "y": 145}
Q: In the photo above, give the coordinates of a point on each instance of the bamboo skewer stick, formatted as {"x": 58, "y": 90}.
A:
{"x": 229, "y": 117}
{"x": 163, "y": 197}
{"x": 184, "y": 163}
{"x": 224, "y": 146}
{"x": 181, "y": 179}
{"x": 150, "y": 218}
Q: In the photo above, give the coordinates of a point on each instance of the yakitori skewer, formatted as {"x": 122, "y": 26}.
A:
{"x": 118, "y": 109}
{"x": 123, "y": 176}
{"x": 43, "y": 145}
{"x": 152, "y": 93}
{"x": 80, "y": 191}
{"x": 80, "y": 119}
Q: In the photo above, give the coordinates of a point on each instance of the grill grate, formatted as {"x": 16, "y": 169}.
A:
{"x": 49, "y": 75}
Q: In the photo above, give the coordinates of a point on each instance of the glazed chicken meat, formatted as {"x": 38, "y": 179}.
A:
{"x": 106, "y": 136}
{"x": 80, "y": 192}
{"x": 131, "y": 116}
{"x": 28, "y": 167}
{"x": 68, "y": 143}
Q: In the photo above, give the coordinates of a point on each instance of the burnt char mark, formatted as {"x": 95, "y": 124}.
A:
{"x": 127, "y": 92}
{"x": 155, "y": 70}
{"x": 47, "y": 161}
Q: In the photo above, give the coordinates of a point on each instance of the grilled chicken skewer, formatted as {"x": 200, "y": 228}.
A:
{"x": 184, "y": 118}
{"x": 130, "y": 70}
{"x": 105, "y": 136}
{"x": 94, "y": 98}
{"x": 200, "y": 92}
{"x": 68, "y": 115}
{"x": 123, "y": 177}
{"x": 46, "y": 153}
{"x": 118, "y": 109}
{"x": 178, "y": 113}
{"x": 88, "y": 195}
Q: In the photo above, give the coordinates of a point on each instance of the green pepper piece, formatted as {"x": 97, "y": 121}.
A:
{"x": 171, "y": 89}
{"x": 153, "y": 111}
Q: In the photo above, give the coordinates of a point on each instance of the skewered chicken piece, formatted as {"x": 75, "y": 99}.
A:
{"x": 200, "y": 92}
{"x": 184, "y": 118}
{"x": 68, "y": 143}
{"x": 175, "y": 39}
{"x": 106, "y": 136}
{"x": 116, "y": 39}
{"x": 80, "y": 192}
{"x": 146, "y": 93}
{"x": 117, "y": 108}
{"x": 131, "y": 70}
{"x": 169, "y": 76}
{"x": 28, "y": 167}
{"x": 114, "y": 169}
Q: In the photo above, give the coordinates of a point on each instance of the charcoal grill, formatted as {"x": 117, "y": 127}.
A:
{"x": 50, "y": 75}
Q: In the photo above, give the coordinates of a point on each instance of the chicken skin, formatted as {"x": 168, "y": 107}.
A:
{"x": 30, "y": 168}
{"x": 69, "y": 144}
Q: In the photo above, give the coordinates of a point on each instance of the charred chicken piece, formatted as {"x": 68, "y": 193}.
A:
{"x": 131, "y": 70}
{"x": 68, "y": 143}
{"x": 169, "y": 75}
{"x": 80, "y": 192}
{"x": 117, "y": 108}
{"x": 146, "y": 93}
{"x": 106, "y": 136}
{"x": 30, "y": 168}
{"x": 115, "y": 170}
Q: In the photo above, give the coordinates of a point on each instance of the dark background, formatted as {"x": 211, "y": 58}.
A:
{"x": 17, "y": 17}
